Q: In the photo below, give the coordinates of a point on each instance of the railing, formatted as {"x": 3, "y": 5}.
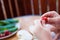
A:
{"x": 15, "y": 8}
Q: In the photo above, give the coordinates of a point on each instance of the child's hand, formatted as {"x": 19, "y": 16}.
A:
{"x": 53, "y": 19}
{"x": 50, "y": 14}
{"x": 40, "y": 31}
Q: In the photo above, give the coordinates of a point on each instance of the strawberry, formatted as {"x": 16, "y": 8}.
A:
{"x": 45, "y": 18}
{"x": 2, "y": 35}
{"x": 7, "y": 32}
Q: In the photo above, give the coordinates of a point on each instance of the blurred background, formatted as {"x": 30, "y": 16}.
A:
{"x": 17, "y": 8}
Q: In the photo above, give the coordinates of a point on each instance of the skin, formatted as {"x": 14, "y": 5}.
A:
{"x": 53, "y": 19}
{"x": 57, "y": 36}
{"x": 43, "y": 34}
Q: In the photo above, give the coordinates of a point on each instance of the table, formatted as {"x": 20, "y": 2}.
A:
{"x": 25, "y": 22}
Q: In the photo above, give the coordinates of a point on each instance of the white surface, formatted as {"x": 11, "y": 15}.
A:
{"x": 18, "y": 25}
{"x": 24, "y": 35}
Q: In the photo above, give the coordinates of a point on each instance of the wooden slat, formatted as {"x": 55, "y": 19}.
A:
{"x": 7, "y": 8}
{"x": 21, "y": 7}
{"x": 52, "y": 5}
{"x": 32, "y": 7}
{"x": 29, "y": 10}
{"x": 59, "y": 6}
{"x": 27, "y": 7}
{"x": 10, "y": 7}
{"x": 17, "y": 8}
{"x": 43, "y": 6}
{"x": 40, "y": 12}
{"x": 3, "y": 9}
{"x": 36, "y": 7}
{"x": 1, "y": 12}
{"x": 13, "y": 8}
{"x": 24, "y": 6}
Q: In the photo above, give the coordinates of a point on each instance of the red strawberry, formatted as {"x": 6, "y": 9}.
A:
{"x": 45, "y": 18}
{"x": 2, "y": 35}
{"x": 7, "y": 33}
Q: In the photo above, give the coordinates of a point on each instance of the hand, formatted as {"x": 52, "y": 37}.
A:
{"x": 57, "y": 36}
{"x": 55, "y": 21}
{"x": 53, "y": 18}
{"x": 40, "y": 32}
{"x": 50, "y": 14}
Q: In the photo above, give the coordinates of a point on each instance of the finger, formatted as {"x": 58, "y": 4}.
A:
{"x": 56, "y": 37}
{"x": 43, "y": 23}
{"x": 51, "y": 20}
{"x": 38, "y": 22}
{"x": 50, "y": 14}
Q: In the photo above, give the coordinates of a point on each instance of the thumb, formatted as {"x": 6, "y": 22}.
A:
{"x": 51, "y": 20}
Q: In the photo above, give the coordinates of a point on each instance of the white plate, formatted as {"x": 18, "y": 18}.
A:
{"x": 17, "y": 25}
